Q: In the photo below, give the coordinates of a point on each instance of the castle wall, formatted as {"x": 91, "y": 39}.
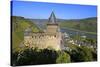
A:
{"x": 43, "y": 40}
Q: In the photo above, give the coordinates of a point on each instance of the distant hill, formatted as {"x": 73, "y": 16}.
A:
{"x": 87, "y": 24}
{"x": 42, "y": 22}
{"x": 19, "y": 24}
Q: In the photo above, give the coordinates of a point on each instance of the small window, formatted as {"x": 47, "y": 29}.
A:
{"x": 55, "y": 36}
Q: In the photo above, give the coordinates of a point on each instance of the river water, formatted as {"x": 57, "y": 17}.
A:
{"x": 77, "y": 32}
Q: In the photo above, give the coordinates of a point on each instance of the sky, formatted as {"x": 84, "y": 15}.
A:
{"x": 40, "y": 10}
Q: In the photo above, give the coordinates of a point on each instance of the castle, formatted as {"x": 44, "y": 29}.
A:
{"x": 51, "y": 38}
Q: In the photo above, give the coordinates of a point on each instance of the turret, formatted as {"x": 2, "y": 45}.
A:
{"x": 52, "y": 19}
{"x": 52, "y": 26}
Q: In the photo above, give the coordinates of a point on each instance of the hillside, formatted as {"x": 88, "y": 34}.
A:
{"x": 19, "y": 24}
{"x": 87, "y": 24}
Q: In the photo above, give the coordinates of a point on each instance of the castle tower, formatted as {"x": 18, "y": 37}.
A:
{"x": 54, "y": 39}
{"x": 52, "y": 26}
{"x": 49, "y": 39}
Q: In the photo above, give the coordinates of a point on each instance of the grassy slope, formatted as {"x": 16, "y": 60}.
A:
{"x": 88, "y": 25}
{"x": 19, "y": 25}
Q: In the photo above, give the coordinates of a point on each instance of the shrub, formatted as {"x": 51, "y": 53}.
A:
{"x": 81, "y": 54}
{"x": 62, "y": 57}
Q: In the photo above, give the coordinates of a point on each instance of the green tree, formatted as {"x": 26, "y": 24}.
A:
{"x": 63, "y": 57}
{"x": 81, "y": 54}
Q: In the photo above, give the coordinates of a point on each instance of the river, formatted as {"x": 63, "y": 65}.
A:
{"x": 72, "y": 32}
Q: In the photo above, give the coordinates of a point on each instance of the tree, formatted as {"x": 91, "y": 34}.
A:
{"x": 81, "y": 54}
{"x": 63, "y": 57}
{"x": 31, "y": 56}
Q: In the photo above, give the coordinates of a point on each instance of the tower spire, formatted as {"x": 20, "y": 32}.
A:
{"x": 52, "y": 18}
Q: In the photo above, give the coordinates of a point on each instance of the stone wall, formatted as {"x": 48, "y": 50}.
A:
{"x": 43, "y": 40}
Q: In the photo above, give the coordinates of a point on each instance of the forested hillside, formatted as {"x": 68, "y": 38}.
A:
{"x": 88, "y": 24}
{"x": 19, "y": 24}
